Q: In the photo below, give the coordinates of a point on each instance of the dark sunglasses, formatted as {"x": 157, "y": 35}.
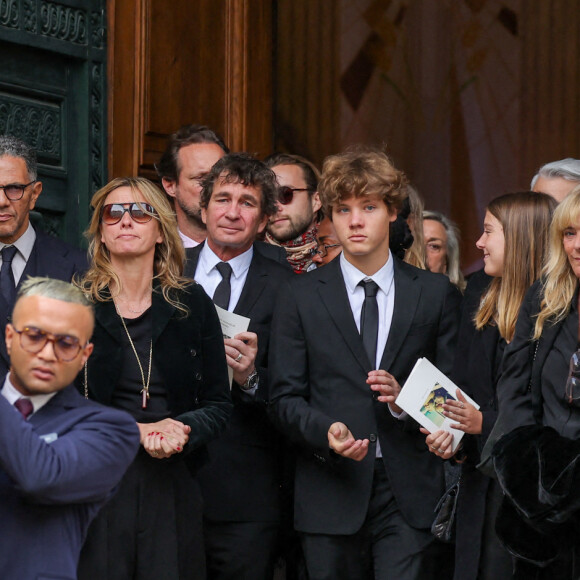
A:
{"x": 140, "y": 212}
{"x": 286, "y": 194}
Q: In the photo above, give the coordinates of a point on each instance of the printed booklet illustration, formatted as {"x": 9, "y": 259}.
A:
{"x": 425, "y": 392}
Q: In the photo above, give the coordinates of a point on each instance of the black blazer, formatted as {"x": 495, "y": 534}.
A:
{"x": 188, "y": 353}
{"x": 522, "y": 398}
{"x": 318, "y": 370}
{"x": 50, "y": 257}
{"x": 242, "y": 480}
{"x": 276, "y": 253}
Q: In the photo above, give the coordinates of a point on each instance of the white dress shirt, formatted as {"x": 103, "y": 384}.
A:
{"x": 24, "y": 245}
{"x": 385, "y": 280}
{"x": 208, "y": 276}
{"x": 10, "y": 393}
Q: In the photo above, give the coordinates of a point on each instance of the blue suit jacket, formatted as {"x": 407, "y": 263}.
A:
{"x": 50, "y": 257}
{"x": 56, "y": 470}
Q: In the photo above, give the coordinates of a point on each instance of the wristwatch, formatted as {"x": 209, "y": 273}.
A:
{"x": 251, "y": 382}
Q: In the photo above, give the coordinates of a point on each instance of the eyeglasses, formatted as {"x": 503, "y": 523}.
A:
{"x": 573, "y": 382}
{"x": 140, "y": 212}
{"x": 286, "y": 194}
{"x": 322, "y": 251}
{"x": 15, "y": 191}
{"x": 65, "y": 346}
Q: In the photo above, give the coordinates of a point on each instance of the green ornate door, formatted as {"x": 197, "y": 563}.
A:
{"x": 53, "y": 96}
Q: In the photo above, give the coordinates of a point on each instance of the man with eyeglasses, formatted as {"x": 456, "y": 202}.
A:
{"x": 60, "y": 455}
{"x": 25, "y": 250}
{"x": 328, "y": 245}
{"x": 294, "y": 226}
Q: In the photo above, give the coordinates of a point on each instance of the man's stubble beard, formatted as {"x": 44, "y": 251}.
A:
{"x": 296, "y": 230}
{"x": 193, "y": 215}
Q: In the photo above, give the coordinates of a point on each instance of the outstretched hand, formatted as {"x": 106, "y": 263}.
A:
{"x": 342, "y": 441}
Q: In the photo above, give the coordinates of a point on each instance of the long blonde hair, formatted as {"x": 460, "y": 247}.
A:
{"x": 415, "y": 254}
{"x": 169, "y": 257}
{"x": 525, "y": 219}
{"x": 559, "y": 282}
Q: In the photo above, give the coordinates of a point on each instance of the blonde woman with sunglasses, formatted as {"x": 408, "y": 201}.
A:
{"x": 159, "y": 355}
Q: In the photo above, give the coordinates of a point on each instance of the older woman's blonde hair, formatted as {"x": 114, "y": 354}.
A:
{"x": 169, "y": 257}
{"x": 559, "y": 281}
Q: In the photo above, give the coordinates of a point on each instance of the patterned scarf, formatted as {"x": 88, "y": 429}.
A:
{"x": 299, "y": 251}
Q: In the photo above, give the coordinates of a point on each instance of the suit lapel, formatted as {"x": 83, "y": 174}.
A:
{"x": 54, "y": 407}
{"x": 253, "y": 287}
{"x": 332, "y": 291}
{"x": 162, "y": 312}
{"x": 108, "y": 318}
{"x": 407, "y": 295}
{"x": 191, "y": 260}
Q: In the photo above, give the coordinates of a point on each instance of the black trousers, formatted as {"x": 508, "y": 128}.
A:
{"x": 385, "y": 548}
{"x": 240, "y": 550}
{"x": 151, "y": 529}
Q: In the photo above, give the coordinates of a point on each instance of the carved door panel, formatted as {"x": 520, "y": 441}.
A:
{"x": 51, "y": 96}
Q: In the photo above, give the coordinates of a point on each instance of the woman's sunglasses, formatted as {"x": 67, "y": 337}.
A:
{"x": 140, "y": 212}
{"x": 286, "y": 194}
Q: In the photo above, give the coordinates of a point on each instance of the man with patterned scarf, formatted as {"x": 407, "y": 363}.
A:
{"x": 294, "y": 226}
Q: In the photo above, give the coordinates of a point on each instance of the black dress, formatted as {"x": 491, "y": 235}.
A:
{"x": 152, "y": 528}
{"x": 478, "y": 553}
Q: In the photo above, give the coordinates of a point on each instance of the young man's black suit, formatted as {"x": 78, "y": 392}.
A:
{"x": 318, "y": 373}
{"x": 241, "y": 483}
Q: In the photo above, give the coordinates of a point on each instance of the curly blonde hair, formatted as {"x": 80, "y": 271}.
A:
{"x": 169, "y": 255}
{"x": 559, "y": 281}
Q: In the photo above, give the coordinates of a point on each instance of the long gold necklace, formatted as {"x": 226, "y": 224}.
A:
{"x": 145, "y": 389}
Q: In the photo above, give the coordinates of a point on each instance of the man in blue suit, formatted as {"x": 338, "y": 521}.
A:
{"x": 25, "y": 250}
{"x": 60, "y": 454}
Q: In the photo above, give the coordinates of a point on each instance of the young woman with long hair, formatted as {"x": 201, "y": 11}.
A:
{"x": 514, "y": 245}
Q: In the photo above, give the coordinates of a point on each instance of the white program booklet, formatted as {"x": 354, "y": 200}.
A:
{"x": 425, "y": 392}
{"x": 232, "y": 324}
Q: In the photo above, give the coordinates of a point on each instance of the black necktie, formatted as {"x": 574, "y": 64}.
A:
{"x": 24, "y": 406}
{"x": 369, "y": 320}
{"x": 222, "y": 293}
{"x": 7, "y": 285}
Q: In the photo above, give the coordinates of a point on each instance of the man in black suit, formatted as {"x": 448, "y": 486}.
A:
{"x": 24, "y": 250}
{"x": 344, "y": 339}
{"x": 241, "y": 484}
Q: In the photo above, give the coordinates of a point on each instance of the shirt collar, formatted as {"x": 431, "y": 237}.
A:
{"x": 353, "y": 276}
{"x": 240, "y": 264}
{"x": 12, "y": 395}
{"x": 187, "y": 241}
{"x": 24, "y": 243}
